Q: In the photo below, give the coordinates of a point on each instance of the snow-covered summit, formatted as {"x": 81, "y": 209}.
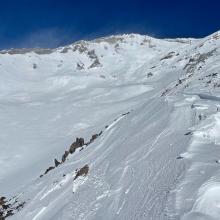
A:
{"x": 120, "y": 127}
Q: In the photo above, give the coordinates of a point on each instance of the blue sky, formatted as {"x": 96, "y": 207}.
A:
{"x": 51, "y": 23}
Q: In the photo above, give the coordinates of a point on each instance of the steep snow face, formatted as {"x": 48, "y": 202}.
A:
{"x": 147, "y": 110}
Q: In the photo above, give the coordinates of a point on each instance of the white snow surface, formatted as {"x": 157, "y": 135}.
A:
{"x": 157, "y": 103}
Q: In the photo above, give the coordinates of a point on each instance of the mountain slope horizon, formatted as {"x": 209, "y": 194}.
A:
{"x": 106, "y": 37}
{"x": 120, "y": 127}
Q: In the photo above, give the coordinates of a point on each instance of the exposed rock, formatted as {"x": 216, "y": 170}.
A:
{"x": 82, "y": 172}
{"x": 149, "y": 42}
{"x": 117, "y": 47}
{"x": 168, "y": 56}
{"x": 20, "y": 206}
{"x": 188, "y": 133}
{"x": 96, "y": 63}
{"x": 77, "y": 144}
{"x": 8, "y": 209}
{"x": 125, "y": 113}
{"x": 94, "y": 136}
{"x": 216, "y": 85}
{"x": 197, "y": 59}
{"x": 48, "y": 170}
{"x": 180, "y": 81}
{"x": 165, "y": 92}
{"x": 92, "y": 54}
{"x": 9, "y": 213}
{"x": 56, "y": 162}
{"x": 4, "y": 206}
{"x": 34, "y": 66}
{"x": 2, "y": 200}
{"x": 80, "y": 46}
{"x": 65, "y": 155}
{"x": 149, "y": 74}
{"x": 216, "y": 36}
{"x": 80, "y": 66}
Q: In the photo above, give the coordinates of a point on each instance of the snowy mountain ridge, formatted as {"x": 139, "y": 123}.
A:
{"x": 131, "y": 121}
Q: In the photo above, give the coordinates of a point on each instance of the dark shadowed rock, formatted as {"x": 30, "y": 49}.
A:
{"x": 65, "y": 155}
{"x": 92, "y": 54}
{"x": 80, "y": 66}
{"x": 94, "y": 136}
{"x": 82, "y": 172}
{"x": 149, "y": 74}
{"x": 188, "y": 133}
{"x": 56, "y": 162}
{"x": 4, "y": 206}
{"x": 20, "y": 206}
{"x": 197, "y": 59}
{"x": 80, "y": 141}
{"x": 165, "y": 92}
{"x": 9, "y": 213}
{"x": 2, "y": 200}
{"x": 96, "y": 63}
{"x": 8, "y": 209}
{"x": 77, "y": 144}
{"x": 80, "y": 46}
{"x": 124, "y": 114}
{"x": 168, "y": 56}
{"x": 48, "y": 170}
{"x": 34, "y": 66}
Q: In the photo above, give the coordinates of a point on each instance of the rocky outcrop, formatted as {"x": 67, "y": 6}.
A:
{"x": 196, "y": 60}
{"x": 80, "y": 66}
{"x": 34, "y": 66}
{"x": 168, "y": 56}
{"x": 65, "y": 155}
{"x": 91, "y": 54}
{"x": 82, "y": 172}
{"x": 96, "y": 63}
{"x": 56, "y": 162}
{"x": 48, "y": 170}
{"x": 80, "y": 46}
{"x": 9, "y": 207}
{"x": 150, "y": 74}
{"x": 77, "y": 144}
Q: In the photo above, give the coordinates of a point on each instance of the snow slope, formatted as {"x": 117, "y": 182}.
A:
{"x": 154, "y": 105}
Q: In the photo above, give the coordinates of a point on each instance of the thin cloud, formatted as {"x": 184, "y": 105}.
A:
{"x": 47, "y": 38}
